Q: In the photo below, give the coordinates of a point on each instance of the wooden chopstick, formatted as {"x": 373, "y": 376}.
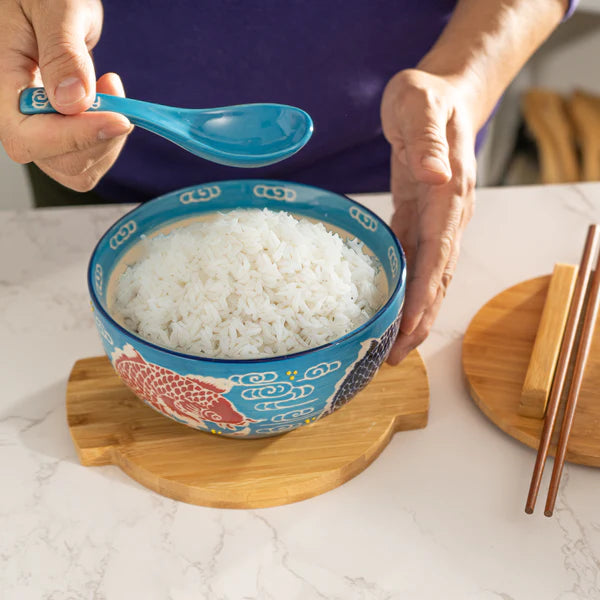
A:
{"x": 564, "y": 358}
{"x": 583, "y": 351}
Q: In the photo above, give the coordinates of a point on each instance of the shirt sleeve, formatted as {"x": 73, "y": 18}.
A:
{"x": 571, "y": 8}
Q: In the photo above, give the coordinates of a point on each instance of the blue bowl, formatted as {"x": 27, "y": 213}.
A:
{"x": 261, "y": 397}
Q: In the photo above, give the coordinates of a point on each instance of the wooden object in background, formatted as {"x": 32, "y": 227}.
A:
{"x": 585, "y": 113}
{"x": 547, "y": 118}
{"x": 109, "y": 425}
{"x": 496, "y": 351}
{"x": 542, "y": 364}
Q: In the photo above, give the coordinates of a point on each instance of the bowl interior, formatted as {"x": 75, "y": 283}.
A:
{"x": 119, "y": 245}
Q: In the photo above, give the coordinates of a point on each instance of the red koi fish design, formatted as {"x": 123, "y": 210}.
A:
{"x": 189, "y": 397}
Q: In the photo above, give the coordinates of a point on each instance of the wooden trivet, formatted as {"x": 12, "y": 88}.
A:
{"x": 109, "y": 425}
{"x": 496, "y": 351}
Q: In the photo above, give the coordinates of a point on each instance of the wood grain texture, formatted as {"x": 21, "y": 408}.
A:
{"x": 561, "y": 374}
{"x": 544, "y": 356}
{"x": 109, "y": 425}
{"x": 496, "y": 351}
{"x": 580, "y": 366}
{"x": 584, "y": 109}
{"x": 547, "y": 118}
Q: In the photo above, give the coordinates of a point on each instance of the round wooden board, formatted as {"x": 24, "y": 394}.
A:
{"x": 109, "y": 425}
{"x": 496, "y": 351}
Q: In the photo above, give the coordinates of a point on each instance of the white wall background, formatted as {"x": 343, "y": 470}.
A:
{"x": 569, "y": 59}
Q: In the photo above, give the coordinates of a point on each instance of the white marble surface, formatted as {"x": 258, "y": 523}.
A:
{"x": 438, "y": 515}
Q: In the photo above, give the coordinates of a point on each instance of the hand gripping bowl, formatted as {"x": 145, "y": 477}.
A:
{"x": 260, "y": 397}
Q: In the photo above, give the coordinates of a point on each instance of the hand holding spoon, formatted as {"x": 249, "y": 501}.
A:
{"x": 246, "y": 135}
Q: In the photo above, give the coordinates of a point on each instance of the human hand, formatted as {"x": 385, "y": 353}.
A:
{"x": 48, "y": 43}
{"x": 427, "y": 120}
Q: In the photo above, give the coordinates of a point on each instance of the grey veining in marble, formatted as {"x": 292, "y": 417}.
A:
{"x": 438, "y": 515}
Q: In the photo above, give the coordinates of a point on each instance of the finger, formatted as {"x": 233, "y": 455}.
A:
{"x": 65, "y": 30}
{"x": 406, "y": 237}
{"x": 78, "y": 162}
{"x": 423, "y": 131}
{"x": 110, "y": 83}
{"x": 87, "y": 180}
{"x": 448, "y": 273}
{"x": 18, "y": 68}
{"x": 406, "y": 343}
{"x": 40, "y": 137}
{"x": 405, "y": 219}
{"x": 464, "y": 164}
{"x": 447, "y": 209}
{"x": 438, "y": 230}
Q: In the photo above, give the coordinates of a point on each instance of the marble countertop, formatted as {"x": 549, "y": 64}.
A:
{"x": 438, "y": 515}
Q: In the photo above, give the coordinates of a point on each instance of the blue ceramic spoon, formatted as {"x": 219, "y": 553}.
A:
{"x": 247, "y": 135}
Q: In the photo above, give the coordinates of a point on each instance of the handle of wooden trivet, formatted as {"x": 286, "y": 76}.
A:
{"x": 544, "y": 357}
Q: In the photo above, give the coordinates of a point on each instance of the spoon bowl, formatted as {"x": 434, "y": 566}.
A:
{"x": 245, "y": 135}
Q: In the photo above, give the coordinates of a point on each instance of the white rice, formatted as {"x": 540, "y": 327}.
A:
{"x": 249, "y": 284}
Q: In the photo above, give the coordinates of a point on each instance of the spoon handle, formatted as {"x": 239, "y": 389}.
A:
{"x": 34, "y": 101}
{"x": 246, "y": 135}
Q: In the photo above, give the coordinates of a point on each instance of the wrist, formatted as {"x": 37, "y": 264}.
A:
{"x": 485, "y": 44}
{"x": 472, "y": 91}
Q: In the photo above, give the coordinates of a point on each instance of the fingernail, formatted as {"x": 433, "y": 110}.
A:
{"x": 69, "y": 91}
{"x": 113, "y": 130}
{"x": 431, "y": 163}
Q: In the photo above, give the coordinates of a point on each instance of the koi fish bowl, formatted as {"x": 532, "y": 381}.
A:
{"x": 260, "y": 397}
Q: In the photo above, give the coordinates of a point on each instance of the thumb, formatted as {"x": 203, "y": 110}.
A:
{"x": 426, "y": 146}
{"x": 65, "y": 63}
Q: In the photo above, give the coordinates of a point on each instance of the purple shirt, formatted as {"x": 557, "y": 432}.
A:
{"x": 331, "y": 58}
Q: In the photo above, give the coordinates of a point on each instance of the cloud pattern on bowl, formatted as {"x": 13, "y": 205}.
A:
{"x": 249, "y": 398}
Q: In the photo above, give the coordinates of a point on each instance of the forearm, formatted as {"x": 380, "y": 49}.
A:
{"x": 486, "y": 43}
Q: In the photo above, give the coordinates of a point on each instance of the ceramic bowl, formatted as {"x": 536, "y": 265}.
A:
{"x": 248, "y": 398}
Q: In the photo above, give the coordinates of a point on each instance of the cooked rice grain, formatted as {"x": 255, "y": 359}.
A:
{"x": 248, "y": 284}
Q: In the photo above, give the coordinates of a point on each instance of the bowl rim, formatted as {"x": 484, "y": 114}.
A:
{"x": 246, "y": 361}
